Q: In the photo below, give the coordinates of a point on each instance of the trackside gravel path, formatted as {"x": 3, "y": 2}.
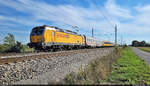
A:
{"x": 144, "y": 55}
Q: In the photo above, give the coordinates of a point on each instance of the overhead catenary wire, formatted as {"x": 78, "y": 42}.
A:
{"x": 107, "y": 19}
{"x": 109, "y": 16}
{"x": 101, "y": 12}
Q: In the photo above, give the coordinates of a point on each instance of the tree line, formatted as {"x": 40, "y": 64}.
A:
{"x": 11, "y": 45}
{"x": 140, "y": 43}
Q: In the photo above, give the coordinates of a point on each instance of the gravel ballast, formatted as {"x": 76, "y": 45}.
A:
{"x": 48, "y": 70}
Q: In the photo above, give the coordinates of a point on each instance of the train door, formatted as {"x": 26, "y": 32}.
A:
{"x": 53, "y": 36}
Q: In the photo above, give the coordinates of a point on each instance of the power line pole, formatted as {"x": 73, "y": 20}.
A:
{"x": 115, "y": 34}
{"x": 92, "y": 32}
{"x": 121, "y": 40}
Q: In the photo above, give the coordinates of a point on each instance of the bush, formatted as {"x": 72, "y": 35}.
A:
{"x": 2, "y": 48}
{"x": 10, "y": 45}
{"x": 26, "y": 48}
{"x": 15, "y": 48}
{"x": 116, "y": 48}
{"x": 125, "y": 46}
{"x": 20, "y": 48}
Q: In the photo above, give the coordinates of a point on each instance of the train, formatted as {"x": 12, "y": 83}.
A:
{"x": 51, "y": 38}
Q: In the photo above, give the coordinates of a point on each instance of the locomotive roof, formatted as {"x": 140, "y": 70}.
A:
{"x": 91, "y": 38}
{"x": 61, "y": 30}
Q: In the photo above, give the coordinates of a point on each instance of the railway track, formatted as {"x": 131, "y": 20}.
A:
{"x": 48, "y": 67}
{"x": 33, "y": 56}
{"x": 10, "y": 55}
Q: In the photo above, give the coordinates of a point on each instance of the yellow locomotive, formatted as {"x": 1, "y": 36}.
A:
{"x": 50, "y": 37}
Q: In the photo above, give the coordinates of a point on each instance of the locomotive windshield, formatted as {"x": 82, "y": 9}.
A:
{"x": 37, "y": 31}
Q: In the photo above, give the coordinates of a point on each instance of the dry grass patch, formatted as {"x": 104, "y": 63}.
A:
{"x": 147, "y": 49}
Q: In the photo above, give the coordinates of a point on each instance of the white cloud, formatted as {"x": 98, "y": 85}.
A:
{"x": 63, "y": 14}
{"x": 117, "y": 11}
{"x": 85, "y": 18}
{"x": 145, "y": 8}
{"x": 143, "y": 15}
{"x": 19, "y": 20}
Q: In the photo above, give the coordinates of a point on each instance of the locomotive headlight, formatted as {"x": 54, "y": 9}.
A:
{"x": 43, "y": 40}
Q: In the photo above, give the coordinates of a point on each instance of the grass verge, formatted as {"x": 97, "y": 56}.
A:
{"x": 130, "y": 69}
{"x": 96, "y": 72}
{"x": 147, "y": 49}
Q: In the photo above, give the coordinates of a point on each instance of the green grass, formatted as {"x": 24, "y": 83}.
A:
{"x": 130, "y": 69}
{"x": 147, "y": 49}
{"x": 26, "y": 48}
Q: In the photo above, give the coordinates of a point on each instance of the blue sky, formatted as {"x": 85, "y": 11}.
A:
{"x": 131, "y": 16}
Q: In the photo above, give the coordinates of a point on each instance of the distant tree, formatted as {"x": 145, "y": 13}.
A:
{"x": 10, "y": 45}
{"x": 142, "y": 43}
{"x": 147, "y": 45}
{"x": 135, "y": 43}
{"x": 9, "y": 41}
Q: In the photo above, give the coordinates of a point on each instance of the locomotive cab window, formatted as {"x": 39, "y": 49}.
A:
{"x": 37, "y": 31}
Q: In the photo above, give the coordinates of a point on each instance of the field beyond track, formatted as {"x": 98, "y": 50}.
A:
{"x": 147, "y": 49}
